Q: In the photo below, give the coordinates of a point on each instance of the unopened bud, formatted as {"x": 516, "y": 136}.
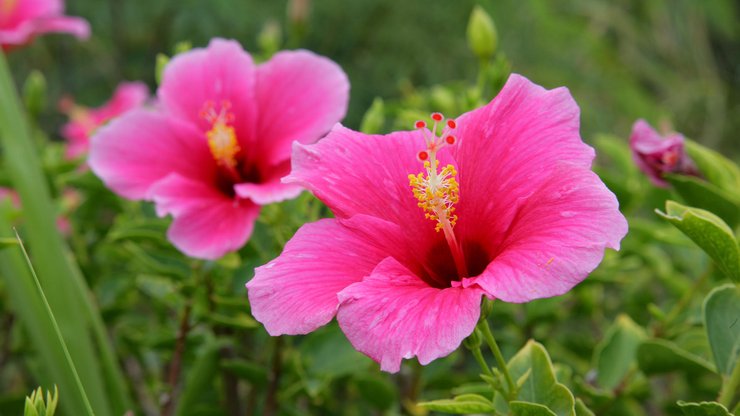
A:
{"x": 34, "y": 93}
{"x": 482, "y": 36}
{"x": 374, "y": 118}
{"x": 270, "y": 38}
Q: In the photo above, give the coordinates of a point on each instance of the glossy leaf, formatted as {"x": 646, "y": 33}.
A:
{"x": 657, "y": 356}
{"x": 464, "y": 404}
{"x": 536, "y": 381}
{"x": 710, "y": 233}
{"x": 703, "y": 409}
{"x": 582, "y": 410}
{"x": 701, "y": 194}
{"x": 722, "y": 322}
{"x": 529, "y": 409}
{"x": 615, "y": 355}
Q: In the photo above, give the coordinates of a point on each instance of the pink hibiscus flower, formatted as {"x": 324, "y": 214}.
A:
{"x": 219, "y": 141}
{"x": 506, "y": 206}
{"x": 22, "y": 20}
{"x": 656, "y": 155}
{"x": 84, "y": 121}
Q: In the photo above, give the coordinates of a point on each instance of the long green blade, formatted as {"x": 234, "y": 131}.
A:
{"x": 59, "y": 275}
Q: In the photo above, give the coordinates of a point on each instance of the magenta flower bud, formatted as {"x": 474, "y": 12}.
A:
{"x": 657, "y": 155}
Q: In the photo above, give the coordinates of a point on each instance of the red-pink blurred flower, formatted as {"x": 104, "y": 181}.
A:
{"x": 22, "y": 20}
{"x": 84, "y": 121}
{"x": 405, "y": 271}
{"x": 657, "y": 155}
{"x": 69, "y": 201}
{"x": 217, "y": 145}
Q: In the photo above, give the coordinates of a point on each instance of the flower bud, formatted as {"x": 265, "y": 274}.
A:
{"x": 34, "y": 93}
{"x": 270, "y": 38}
{"x": 36, "y": 406}
{"x": 162, "y": 61}
{"x": 482, "y": 36}
{"x": 374, "y": 118}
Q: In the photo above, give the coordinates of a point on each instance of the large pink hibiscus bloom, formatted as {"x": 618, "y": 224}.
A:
{"x": 512, "y": 211}
{"x": 22, "y": 20}
{"x": 84, "y": 121}
{"x": 219, "y": 141}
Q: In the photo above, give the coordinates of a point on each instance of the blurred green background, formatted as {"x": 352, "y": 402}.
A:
{"x": 673, "y": 62}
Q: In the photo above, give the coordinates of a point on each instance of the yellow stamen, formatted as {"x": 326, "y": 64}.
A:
{"x": 223, "y": 144}
{"x": 437, "y": 193}
{"x": 222, "y": 136}
{"x": 7, "y": 6}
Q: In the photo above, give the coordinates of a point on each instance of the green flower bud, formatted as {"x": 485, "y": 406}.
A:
{"x": 162, "y": 61}
{"x": 35, "y": 405}
{"x": 374, "y": 118}
{"x": 270, "y": 38}
{"x": 482, "y": 36}
{"x": 34, "y": 93}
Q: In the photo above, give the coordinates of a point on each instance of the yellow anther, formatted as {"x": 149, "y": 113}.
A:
{"x": 437, "y": 192}
{"x": 223, "y": 144}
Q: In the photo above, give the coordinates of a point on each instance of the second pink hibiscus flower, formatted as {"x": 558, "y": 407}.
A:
{"x": 219, "y": 141}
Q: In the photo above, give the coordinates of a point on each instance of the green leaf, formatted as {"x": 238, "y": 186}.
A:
{"x": 703, "y": 409}
{"x": 615, "y": 355}
{"x": 376, "y": 390}
{"x": 238, "y": 321}
{"x": 532, "y": 367}
{"x": 66, "y": 289}
{"x": 718, "y": 170}
{"x": 710, "y": 233}
{"x": 8, "y": 242}
{"x": 722, "y": 322}
{"x": 529, "y": 409}
{"x": 463, "y": 404}
{"x": 582, "y": 410}
{"x": 245, "y": 370}
{"x": 704, "y": 195}
{"x": 657, "y": 356}
{"x": 200, "y": 377}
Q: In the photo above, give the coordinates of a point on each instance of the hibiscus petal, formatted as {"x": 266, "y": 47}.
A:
{"x": 268, "y": 192}
{"x": 393, "y": 314}
{"x": 141, "y": 147}
{"x": 221, "y": 72}
{"x": 207, "y": 224}
{"x": 510, "y": 146}
{"x": 355, "y": 173}
{"x": 270, "y": 189}
{"x": 557, "y": 236}
{"x": 297, "y": 292}
{"x": 301, "y": 96}
{"x": 27, "y": 30}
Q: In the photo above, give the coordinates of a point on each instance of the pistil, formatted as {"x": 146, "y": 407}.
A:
{"x": 438, "y": 191}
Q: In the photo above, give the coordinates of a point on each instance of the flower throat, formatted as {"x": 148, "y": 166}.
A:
{"x": 437, "y": 190}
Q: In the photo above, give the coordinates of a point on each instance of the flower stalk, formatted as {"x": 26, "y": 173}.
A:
{"x": 500, "y": 362}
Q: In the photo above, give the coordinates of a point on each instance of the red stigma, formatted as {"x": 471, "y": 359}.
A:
{"x": 437, "y": 116}
{"x": 420, "y": 124}
{"x": 451, "y": 123}
{"x": 423, "y": 155}
{"x": 451, "y": 139}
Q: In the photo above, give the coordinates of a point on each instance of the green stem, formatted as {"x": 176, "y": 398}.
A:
{"x": 478, "y": 354}
{"x": 500, "y": 362}
{"x": 730, "y": 388}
